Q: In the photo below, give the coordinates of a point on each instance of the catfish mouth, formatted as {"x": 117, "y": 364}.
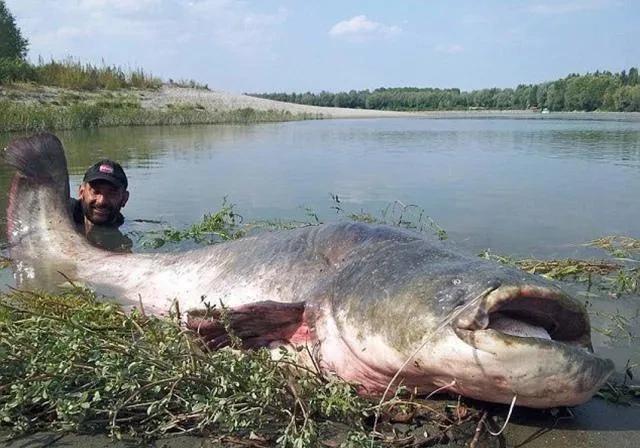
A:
{"x": 527, "y": 311}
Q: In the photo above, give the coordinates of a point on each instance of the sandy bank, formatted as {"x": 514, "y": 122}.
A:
{"x": 168, "y": 97}
{"x": 219, "y": 100}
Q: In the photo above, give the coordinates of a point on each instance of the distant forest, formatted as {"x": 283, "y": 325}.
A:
{"x": 599, "y": 91}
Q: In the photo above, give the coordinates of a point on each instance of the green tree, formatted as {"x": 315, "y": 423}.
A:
{"x": 555, "y": 95}
{"x": 633, "y": 77}
{"x": 12, "y": 44}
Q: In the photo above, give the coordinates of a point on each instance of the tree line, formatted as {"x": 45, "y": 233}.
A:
{"x": 603, "y": 91}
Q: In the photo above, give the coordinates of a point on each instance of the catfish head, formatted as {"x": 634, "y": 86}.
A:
{"x": 471, "y": 326}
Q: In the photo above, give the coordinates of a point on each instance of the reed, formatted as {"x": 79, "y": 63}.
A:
{"x": 72, "y": 74}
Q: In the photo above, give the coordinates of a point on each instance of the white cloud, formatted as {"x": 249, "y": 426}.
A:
{"x": 567, "y": 7}
{"x": 224, "y": 43}
{"x": 359, "y": 28}
{"x": 449, "y": 49}
{"x": 120, "y": 6}
{"x": 69, "y": 26}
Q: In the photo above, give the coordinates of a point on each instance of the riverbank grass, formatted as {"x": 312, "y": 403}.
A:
{"x": 24, "y": 117}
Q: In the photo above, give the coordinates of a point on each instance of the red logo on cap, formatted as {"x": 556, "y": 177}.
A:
{"x": 106, "y": 169}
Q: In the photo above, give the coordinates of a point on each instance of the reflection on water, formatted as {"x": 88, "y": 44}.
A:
{"x": 520, "y": 187}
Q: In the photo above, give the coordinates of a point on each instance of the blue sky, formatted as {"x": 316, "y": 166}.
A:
{"x": 289, "y": 45}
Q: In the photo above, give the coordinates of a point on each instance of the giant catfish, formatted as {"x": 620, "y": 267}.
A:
{"x": 368, "y": 301}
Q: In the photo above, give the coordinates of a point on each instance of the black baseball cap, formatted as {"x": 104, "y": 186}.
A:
{"x": 109, "y": 171}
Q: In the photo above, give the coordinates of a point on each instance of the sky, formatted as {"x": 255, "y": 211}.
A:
{"x": 339, "y": 45}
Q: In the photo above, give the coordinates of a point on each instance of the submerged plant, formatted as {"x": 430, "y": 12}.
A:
{"x": 398, "y": 214}
{"x": 557, "y": 269}
{"x": 223, "y": 225}
{"x": 619, "y": 246}
{"x": 620, "y": 391}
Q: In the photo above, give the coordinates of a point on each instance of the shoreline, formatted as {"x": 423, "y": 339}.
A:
{"x": 29, "y": 108}
{"x": 214, "y": 98}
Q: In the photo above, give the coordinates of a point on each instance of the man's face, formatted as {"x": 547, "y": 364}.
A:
{"x": 101, "y": 201}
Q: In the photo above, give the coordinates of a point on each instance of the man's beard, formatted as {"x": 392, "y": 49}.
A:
{"x": 89, "y": 213}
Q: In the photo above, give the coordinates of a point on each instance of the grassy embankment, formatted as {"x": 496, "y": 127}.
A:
{"x": 68, "y": 95}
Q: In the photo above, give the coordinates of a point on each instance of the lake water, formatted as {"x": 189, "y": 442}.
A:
{"x": 525, "y": 188}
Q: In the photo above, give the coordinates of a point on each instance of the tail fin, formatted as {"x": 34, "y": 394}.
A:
{"x": 37, "y": 215}
{"x": 39, "y": 158}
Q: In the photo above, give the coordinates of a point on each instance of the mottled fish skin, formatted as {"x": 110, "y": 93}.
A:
{"x": 366, "y": 300}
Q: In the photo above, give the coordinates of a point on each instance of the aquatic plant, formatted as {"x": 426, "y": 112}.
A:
{"x": 223, "y": 225}
{"x": 619, "y": 246}
{"x": 620, "y": 391}
{"x": 396, "y": 213}
{"x": 557, "y": 269}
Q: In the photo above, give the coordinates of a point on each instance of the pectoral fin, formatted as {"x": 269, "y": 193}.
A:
{"x": 256, "y": 325}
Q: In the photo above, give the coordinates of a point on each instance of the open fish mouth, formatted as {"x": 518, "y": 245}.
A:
{"x": 537, "y": 341}
{"x": 527, "y": 311}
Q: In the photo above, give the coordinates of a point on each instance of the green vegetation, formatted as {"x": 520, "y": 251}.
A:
{"x": 226, "y": 224}
{"x": 72, "y": 74}
{"x": 37, "y": 117}
{"x": 556, "y": 269}
{"x": 12, "y": 44}
{"x": 222, "y": 225}
{"x": 621, "y": 392}
{"x": 398, "y": 214}
{"x": 188, "y": 83}
{"x": 618, "y": 246}
{"x": 71, "y": 363}
{"x": 607, "y": 275}
{"x": 83, "y": 96}
{"x": 624, "y": 394}
{"x": 603, "y": 91}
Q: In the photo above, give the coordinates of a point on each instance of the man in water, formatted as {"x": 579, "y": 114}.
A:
{"x": 96, "y": 212}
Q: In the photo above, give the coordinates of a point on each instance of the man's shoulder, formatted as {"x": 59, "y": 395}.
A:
{"x": 119, "y": 220}
{"x": 75, "y": 208}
